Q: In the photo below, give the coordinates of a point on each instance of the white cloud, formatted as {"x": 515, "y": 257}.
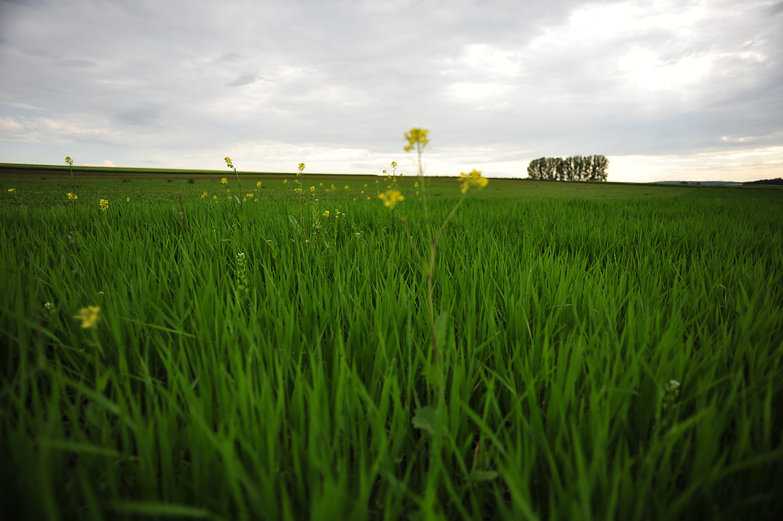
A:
{"x": 41, "y": 129}
{"x": 765, "y": 163}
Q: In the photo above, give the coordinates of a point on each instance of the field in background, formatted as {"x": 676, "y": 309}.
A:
{"x": 613, "y": 352}
{"x": 94, "y": 183}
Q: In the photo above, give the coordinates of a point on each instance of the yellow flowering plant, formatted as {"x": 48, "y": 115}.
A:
{"x": 89, "y": 316}
{"x": 418, "y": 140}
{"x": 472, "y": 180}
{"x": 69, "y": 161}
{"x": 72, "y": 197}
{"x": 299, "y": 192}
{"x": 230, "y": 164}
{"x": 390, "y": 198}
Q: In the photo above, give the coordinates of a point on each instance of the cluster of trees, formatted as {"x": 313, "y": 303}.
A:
{"x": 574, "y": 168}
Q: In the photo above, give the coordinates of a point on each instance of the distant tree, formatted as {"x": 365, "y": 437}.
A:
{"x": 600, "y": 165}
{"x": 572, "y": 168}
{"x": 534, "y": 169}
{"x": 560, "y": 169}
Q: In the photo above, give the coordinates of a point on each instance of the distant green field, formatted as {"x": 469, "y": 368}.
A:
{"x": 608, "y": 351}
{"x": 117, "y": 184}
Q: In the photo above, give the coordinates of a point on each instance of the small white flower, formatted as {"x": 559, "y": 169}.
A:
{"x": 48, "y": 305}
{"x": 672, "y": 386}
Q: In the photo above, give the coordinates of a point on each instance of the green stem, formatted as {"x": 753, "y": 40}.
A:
{"x": 448, "y": 218}
{"x": 430, "y": 304}
{"x": 410, "y": 239}
{"x": 239, "y": 184}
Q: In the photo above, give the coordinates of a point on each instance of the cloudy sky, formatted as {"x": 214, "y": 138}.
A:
{"x": 666, "y": 89}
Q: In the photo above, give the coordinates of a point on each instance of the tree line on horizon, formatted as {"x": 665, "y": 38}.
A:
{"x": 573, "y": 168}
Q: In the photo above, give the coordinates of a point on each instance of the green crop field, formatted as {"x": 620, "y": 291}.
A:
{"x": 605, "y": 351}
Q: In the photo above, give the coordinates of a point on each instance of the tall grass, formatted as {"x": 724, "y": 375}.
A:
{"x": 306, "y": 396}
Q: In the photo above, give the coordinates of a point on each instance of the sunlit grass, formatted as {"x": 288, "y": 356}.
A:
{"x": 234, "y": 373}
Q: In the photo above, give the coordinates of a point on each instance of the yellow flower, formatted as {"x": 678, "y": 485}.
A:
{"x": 312, "y": 189}
{"x": 214, "y": 198}
{"x": 394, "y": 164}
{"x": 326, "y": 213}
{"x": 301, "y": 168}
{"x": 416, "y": 137}
{"x": 416, "y": 184}
{"x": 229, "y": 163}
{"x": 224, "y": 180}
{"x": 473, "y": 179}
{"x": 258, "y": 184}
{"x": 321, "y": 183}
{"x": 249, "y": 196}
{"x": 298, "y": 190}
{"x": 72, "y": 197}
{"x": 285, "y": 181}
{"x": 88, "y": 316}
{"x": 104, "y": 204}
{"x": 204, "y": 195}
{"x": 127, "y": 199}
{"x": 69, "y": 160}
{"x": 391, "y": 197}
{"x": 12, "y": 190}
{"x": 347, "y": 187}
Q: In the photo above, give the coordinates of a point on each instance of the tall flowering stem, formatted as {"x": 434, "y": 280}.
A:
{"x": 70, "y": 167}
{"x": 72, "y": 197}
{"x": 390, "y": 199}
{"x": 300, "y": 194}
{"x": 230, "y": 164}
{"x": 418, "y": 140}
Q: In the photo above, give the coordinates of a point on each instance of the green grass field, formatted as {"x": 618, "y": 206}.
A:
{"x": 607, "y": 351}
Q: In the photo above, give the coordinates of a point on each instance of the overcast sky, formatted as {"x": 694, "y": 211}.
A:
{"x": 665, "y": 89}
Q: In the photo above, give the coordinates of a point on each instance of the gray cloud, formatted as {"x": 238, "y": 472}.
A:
{"x": 509, "y": 79}
{"x": 244, "y": 79}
